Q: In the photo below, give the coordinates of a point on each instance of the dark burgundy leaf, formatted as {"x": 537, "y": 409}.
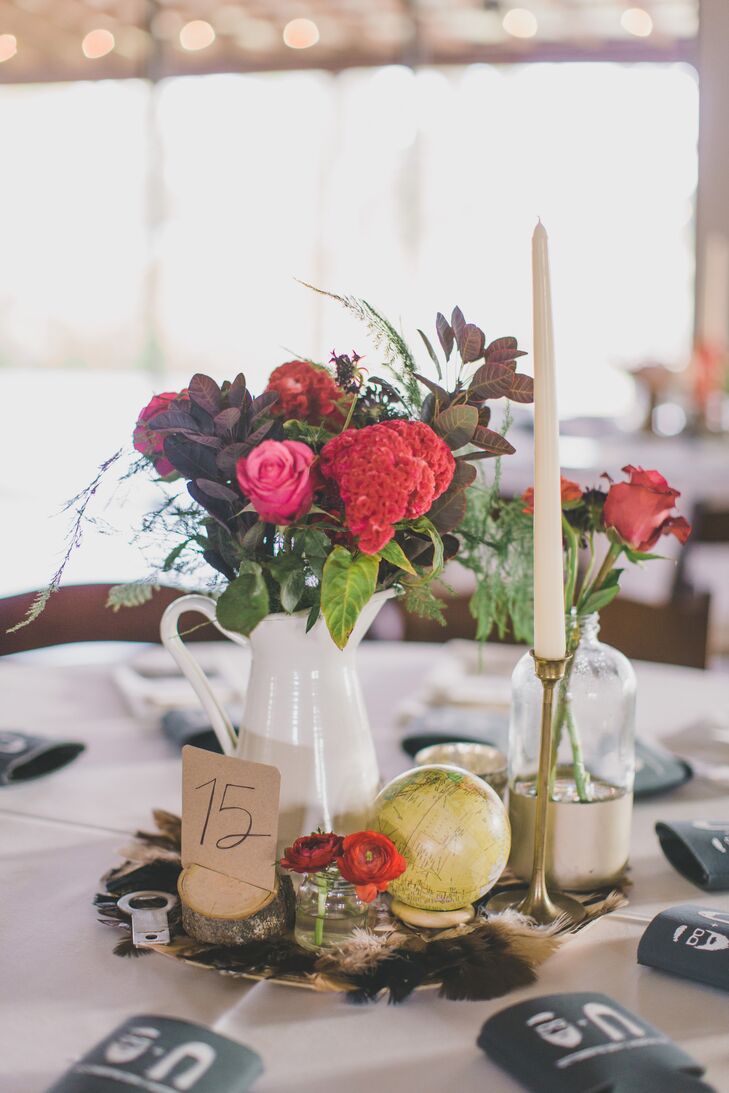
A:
{"x": 492, "y": 442}
{"x": 456, "y": 425}
{"x": 484, "y": 416}
{"x": 445, "y": 334}
{"x": 522, "y": 388}
{"x": 463, "y": 476}
{"x": 228, "y": 458}
{"x": 440, "y": 393}
{"x": 490, "y": 381}
{"x": 201, "y": 438}
{"x": 262, "y": 403}
{"x": 217, "y": 562}
{"x": 217, "y": 489}
{"x": 431, "y": 351}
{"x": 172, "y": 419}
{"x": 458, "y": 323}
{"x": 219, "y": 510}
{"x": 448, "y": 510}
{"x": 258, "y": 434}
{"x": 226, "y": 420}
{"x": 192, "y": 460}
{"x": 205, "y": 393}
{"x": 236, "y": 391}
{"x": 471, "y": 457}
{"x": 503, "y": 349}
{"x": 428, "y": 408}
{"x": 202, "y": 419}
{"x": 472, "y": 343}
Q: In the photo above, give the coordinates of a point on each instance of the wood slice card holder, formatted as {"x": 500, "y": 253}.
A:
{"x": 229, "y": 888}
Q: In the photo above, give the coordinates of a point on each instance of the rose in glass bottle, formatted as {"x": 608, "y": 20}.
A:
{"x": 593, "y": 752}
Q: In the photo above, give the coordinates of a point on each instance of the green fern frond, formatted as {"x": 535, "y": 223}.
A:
{"x": 130, "y": 595}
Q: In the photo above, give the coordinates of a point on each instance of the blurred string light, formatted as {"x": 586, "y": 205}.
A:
{"x": 301, "y": 34}
{"x": 196, "y": 35}
{"x": 637, "y": 21}
{"x": 8, "y": 46}
{"x": 97, "y": 43}
{"x": 520, "y": 23}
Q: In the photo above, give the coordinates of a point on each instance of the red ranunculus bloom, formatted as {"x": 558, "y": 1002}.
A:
{"x": 151, "y": 443}
{"x": 312, "y": 852}
{"x": 370, "y": 860}
{"x": 570, "y": 493}
{"x": 639, "y": 510}
{"x": 307, "y": 392}
{"x": 385, "y": 473}
{"x": 276, "y": 478}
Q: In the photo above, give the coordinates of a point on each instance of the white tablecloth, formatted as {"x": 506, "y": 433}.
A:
{"x": 63, "y": 989}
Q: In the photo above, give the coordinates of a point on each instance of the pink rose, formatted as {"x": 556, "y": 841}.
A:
{"x": 151, "y": 443}
{"x": 276, "y": 478}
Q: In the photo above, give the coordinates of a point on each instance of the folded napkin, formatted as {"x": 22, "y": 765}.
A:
{"x": 156, "y": 1053}
{"x": 583, "y": 1041}
{"x": 189, "y": 727}
{"x": 698, "y": 850}
{"x": 689, "y": 941}
{"x": 23, "y": 757}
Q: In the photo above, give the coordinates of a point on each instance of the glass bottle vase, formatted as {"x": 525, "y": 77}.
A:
{"x": 328, "y": 909}
{"x": 593, "y": 763}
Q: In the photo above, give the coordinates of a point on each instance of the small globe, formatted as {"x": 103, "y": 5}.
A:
{"x": 452, "y": 829}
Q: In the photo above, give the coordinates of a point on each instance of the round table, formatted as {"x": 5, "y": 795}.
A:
{"x": 64, "y": 989}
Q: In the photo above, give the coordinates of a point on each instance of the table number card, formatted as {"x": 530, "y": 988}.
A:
{"x": 230, "y": 816}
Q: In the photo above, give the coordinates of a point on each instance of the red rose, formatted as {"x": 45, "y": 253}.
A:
{"x": 276, "y": 477}
{"x": 149, "y": 442}
{"x": 307, "y": 392}
{"x": 570, "y": 493}
{"x": 638, "y": 510}
{"x": 312, "y": 852}
{"x": 370, "y": 861}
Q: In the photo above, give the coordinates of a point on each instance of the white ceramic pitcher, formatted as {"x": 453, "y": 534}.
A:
{"x": 304, "y": 713}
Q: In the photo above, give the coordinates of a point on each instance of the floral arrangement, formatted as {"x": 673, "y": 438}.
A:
{"x": 328, "y": 486}
{"x": 367, "y": 859}
{"x": 631, "y": 516}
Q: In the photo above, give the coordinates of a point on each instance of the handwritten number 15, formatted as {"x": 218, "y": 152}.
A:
{"x": 228, "y": 842}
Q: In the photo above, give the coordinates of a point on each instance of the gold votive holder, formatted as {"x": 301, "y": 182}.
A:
{"x": 484, "y": 760}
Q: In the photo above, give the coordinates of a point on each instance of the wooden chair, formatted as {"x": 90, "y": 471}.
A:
{"x": 79, "y": 613}
{"x": 672, "y": 633}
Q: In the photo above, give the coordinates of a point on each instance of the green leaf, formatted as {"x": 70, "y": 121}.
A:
{"x": 426, "y": 526}
{"x": 393, "y": 553}
{"x": 457, "y": 425}
{"x": 347, "y": 585}
{"x": 598, "y": 600}
{"x": 642, "y": 556}
{"x": 173, "y": 555}
{"x": 292, "y": 589}
{"x": 312, "y": 617}
{"x": 420, "y": 600}
{"x": 432, "y": 353}
{"x": 245, "y": 601}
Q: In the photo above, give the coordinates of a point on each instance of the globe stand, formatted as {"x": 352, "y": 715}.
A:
{"x": 536, "y": 902}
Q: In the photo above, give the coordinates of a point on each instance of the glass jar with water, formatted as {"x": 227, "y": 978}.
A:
{"x": 593, "y": 763}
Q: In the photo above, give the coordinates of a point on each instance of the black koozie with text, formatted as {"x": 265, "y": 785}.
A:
{"x": 699, "y": 850}
{"x": 584, "y": 1042}
{"x": 162, "y": 1054}
{"x": 689, "y": 941}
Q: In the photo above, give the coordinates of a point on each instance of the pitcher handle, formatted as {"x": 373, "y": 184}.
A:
{"x": 188, "y": 665}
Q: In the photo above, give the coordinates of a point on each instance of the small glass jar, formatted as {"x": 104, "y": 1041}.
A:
{"x": 593, "y": 762}
{"x": 327, "y": 909}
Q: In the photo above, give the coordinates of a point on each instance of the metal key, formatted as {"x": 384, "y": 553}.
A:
{"x": 150, "y": 925}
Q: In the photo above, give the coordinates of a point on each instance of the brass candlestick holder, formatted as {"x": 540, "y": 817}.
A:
{"x": 536, "y": 901}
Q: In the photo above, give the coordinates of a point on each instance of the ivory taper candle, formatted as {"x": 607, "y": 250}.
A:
{"x": 549, "y": 609}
